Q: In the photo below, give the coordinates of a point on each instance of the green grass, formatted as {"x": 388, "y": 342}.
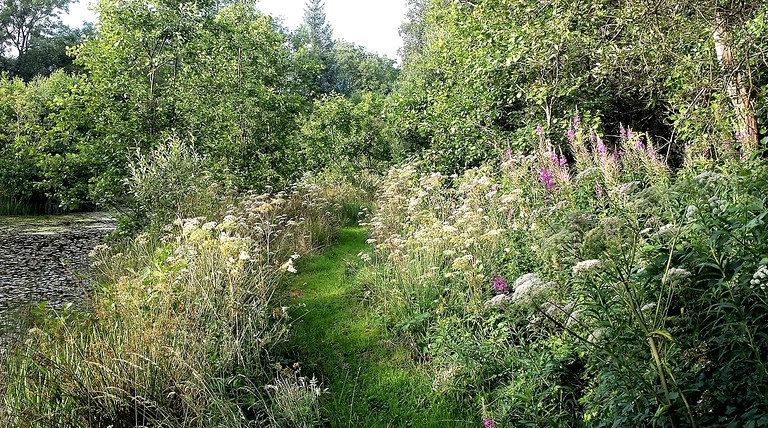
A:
{"x": 372, "y": 381}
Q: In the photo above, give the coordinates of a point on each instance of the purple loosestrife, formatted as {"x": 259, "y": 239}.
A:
{"x": 488, "y": 423}
{"x": 601, "y": 147}
{"x": 639, "y": 145}
{"x": 622, "y": 132}
{"x": 571, "y": 134}
{"x": 547, "y": 179}
{"x": 576, "y": 121}
{"x": 539, "y": 130}
{"x": 499, "y": 284}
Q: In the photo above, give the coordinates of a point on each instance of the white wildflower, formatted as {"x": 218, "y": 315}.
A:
{"x": 760, "y": 278}
{"x": 190, "y": 224}
{"x": 210, "y": 225}
{"x": 586, "y": 266}
{"x": 365, "y": 257}
{"x": 690, "y": 212}
{"x": 676, "y": 275}
{"x": 288, "y": 267}
{"x": 595, "y": 336}
{"x": 667, "y": 231}
{"x": 497, "y": 300}
{"x": 529, "y": 285}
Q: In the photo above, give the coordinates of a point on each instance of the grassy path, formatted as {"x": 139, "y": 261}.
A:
{"x": 372, "y": 382}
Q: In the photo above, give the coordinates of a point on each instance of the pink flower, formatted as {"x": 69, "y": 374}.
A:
{"x": 598, "y": 189}
{"x": 539, "y": 130}
{"x": 547, "y": 179}
{"x": 571, "y": 134}
{"x": 601, "y": 147}
{"x": 499, "y": 284}
{"x": 488, "y": 423}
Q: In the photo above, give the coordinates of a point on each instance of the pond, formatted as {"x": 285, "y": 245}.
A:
{"x": 45, "y": 259}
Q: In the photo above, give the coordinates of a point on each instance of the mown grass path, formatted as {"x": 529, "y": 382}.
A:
{"x": 372, "y": 381}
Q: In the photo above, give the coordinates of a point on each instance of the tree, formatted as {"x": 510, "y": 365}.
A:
{"x": 316, "y": 35}
{"x": 412, "y": 30}
{"x": 21, "y": 21}
{"x": 47, "y": 54}
{"x": 320, "y": 32}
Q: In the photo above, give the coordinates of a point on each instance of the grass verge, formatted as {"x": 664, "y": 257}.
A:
{"x": 372, "y": 381}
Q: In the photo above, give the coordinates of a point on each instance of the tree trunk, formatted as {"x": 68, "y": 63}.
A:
{"x": 737, "y": 86}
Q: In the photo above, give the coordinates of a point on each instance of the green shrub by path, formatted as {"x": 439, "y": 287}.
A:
{"x": 369, "y": 380}
{"x": 182, "y": 325}
{"x": 608, "y": 291}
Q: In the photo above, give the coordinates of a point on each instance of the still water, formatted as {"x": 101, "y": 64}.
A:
{"x": 45, "y": 259}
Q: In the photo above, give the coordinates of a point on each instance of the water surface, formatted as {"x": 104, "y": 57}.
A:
{"x": 45, "y": 259}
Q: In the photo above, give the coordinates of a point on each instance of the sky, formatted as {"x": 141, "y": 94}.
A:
{"x": 370, "y": 23}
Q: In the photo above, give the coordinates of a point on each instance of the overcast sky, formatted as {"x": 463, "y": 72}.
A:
{"x": 371, "y": 23}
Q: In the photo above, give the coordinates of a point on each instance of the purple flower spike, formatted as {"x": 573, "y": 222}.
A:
{"x": 639, "y": 145}
{"x": 499, "y": 284}
{"x": 547, "y": 179}
{"x": 601, "y": 147}
{"x": 576, "y": 121}
{"x": 488, "y": 423}
{"x": 598, "y": 189}
{"x": 622, "y": 132}
{"x": 539, "y": 130}
{"x": 629, "y": 134}
{"x": 571, "y": 134}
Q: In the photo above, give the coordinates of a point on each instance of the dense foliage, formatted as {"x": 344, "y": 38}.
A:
{"x": 535, "y": 259}
{"x": 484, "y": 74}
{"x": 226, "y": 79}
{"x": 605, "y": 292}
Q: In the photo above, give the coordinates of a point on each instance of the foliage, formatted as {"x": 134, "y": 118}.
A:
{"x": 23, "y": 21}
{"x": 345, "y": 136}
{"x": 482, "y": 75}
{"x": 602, "y": 292}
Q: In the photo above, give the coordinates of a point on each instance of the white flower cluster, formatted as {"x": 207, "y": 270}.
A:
{"x": 717, "y": 205}
{"x": 690, "y": 213}
{"x": 528, "y": 286}
{"x": 288, "y": 266}
{"x": 586, "y": 266}
{"x": 677, "y": 275}
{"x": 497, "y": 300}
{"x": 667, "y": 231}
{"x": 760, "y": 278}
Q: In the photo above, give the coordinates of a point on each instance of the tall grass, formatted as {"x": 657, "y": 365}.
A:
{"x": 182, "y": 325}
